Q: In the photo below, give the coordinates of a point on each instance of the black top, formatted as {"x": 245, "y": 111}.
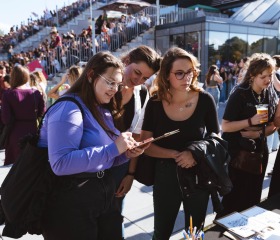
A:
{"x": 129, "y": 108}
{"x": 240, "y": 106}
{"x": 203, "y": 118}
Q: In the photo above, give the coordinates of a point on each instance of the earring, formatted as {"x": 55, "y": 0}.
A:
{"x": 90, "y": 80}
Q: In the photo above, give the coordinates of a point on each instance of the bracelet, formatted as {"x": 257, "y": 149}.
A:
{"x": 130, "y": 174}
{"x": 250, "y": 122}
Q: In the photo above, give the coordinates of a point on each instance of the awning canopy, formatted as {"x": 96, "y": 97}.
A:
{"x": 125, "y": 6}
{"x": 204, "y": 7}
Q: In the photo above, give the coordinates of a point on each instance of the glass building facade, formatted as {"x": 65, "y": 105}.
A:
{"x": 219, "y": 41}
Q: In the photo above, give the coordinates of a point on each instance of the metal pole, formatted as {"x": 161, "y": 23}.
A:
{"x": 158, "y": 11}
{"x": 57, "y": 17}
{"x": 92, "y": 29}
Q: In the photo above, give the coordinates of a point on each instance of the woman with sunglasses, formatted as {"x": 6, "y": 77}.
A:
{"x": 82, "y": 148}
{"x": 179, "y": 104}
{"x": 140, "y": 64}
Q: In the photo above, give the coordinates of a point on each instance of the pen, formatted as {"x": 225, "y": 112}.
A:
{"x": 199, "y": 230}
{"x": 202, "y": 236}
{"x": 191, "y": 224}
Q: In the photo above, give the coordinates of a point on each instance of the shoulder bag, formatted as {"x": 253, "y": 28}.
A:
{"x": 249, "y": 161}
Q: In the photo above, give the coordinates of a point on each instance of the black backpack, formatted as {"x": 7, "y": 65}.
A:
{"x": 25, "y": 190}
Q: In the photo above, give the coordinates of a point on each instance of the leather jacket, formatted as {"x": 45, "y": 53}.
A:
{"x": 211, "y": 171}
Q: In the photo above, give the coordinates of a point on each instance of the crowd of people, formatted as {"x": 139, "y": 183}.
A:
{"x": 49, "y": 18}
{"x": 60, "y": 51}
{"x": 97, "y": 148}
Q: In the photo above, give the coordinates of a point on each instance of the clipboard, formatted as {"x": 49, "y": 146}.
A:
{"x": 150, "y": 140}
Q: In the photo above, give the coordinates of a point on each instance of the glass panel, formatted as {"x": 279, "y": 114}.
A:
{"x": 192, "y": 43}
{"x": 218, "y": 49}
{"x": 255, "y": 44}
{"x": 177, "y": 41}
{"x": 162, "y": 43}
{"x": 269, "y": 45}
{"x": 238, "y": 47}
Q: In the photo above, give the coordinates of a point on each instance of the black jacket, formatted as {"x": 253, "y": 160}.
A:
{"x": 211, "y": 172}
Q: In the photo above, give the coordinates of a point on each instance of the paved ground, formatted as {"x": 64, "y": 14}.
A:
{"x": 138, "y": 210}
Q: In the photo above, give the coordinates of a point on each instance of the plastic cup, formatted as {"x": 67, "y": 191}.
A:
{"x": 261, "y": 109}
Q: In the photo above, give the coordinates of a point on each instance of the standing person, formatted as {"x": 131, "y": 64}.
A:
{"x": 212, "y": 80}
{"x": 242, "y": 69}
{"x": 2, "y": 75}
{"x": 224, "y": 90}
{"x": 273, "y": 139}
{"x": 274, "y": 187}
{"x": 179, "y": 104}
{"x": 87, "y": 146}
{"x": 140, "y": 64}
{"x": 23, "y": 105}
{"x": 42, "y": 81}
{"x": 67, "y": 80}
{"x": 242, "y": 126}
{"x": 56, "y": 45}
{"x": 275, "y": 174}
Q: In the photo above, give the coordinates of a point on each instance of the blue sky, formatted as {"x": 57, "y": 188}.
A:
{"x": 13, "y": 12}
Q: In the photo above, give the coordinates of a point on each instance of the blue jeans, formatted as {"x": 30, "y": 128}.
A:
{"x": 273, "y": 141}
{"x": 215, "y": 92}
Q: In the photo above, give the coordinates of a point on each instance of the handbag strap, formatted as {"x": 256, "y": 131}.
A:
{"x": 67, "y": 98}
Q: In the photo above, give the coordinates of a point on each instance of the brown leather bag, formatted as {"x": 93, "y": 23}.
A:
{"x": 250, "y": 162}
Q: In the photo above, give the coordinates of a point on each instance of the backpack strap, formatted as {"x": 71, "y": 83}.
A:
{"x": 62, "y": 99}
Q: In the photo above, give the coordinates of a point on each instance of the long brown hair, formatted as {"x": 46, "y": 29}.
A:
{"x": 162, "y": 85}
{"x": 96, "y": 66}
{"x": 19, "y": 76}
{"x": 210, "y": 72}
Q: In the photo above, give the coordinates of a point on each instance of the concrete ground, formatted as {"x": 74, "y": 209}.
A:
{"x": 138, "y": 211}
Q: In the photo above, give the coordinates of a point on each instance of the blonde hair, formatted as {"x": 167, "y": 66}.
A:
{"x": 74, "y": 73}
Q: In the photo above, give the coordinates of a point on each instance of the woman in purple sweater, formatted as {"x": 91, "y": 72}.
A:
{"x": 23, "y": 105}
{"x": 82, "y": 149}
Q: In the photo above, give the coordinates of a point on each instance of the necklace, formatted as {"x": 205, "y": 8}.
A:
{"x": 259, "y": 99}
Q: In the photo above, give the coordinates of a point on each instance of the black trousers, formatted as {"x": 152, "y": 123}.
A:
{"x": 80, "y": 208}
{"x": 247, "y": 189}
{"x": 168, "y": 198}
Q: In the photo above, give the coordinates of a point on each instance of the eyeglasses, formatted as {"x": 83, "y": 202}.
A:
{"x": 111, "y": 84}
{"x": 180, "y": 75}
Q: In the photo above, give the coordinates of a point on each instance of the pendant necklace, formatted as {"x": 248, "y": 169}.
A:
{"x": 259, "y": 99}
